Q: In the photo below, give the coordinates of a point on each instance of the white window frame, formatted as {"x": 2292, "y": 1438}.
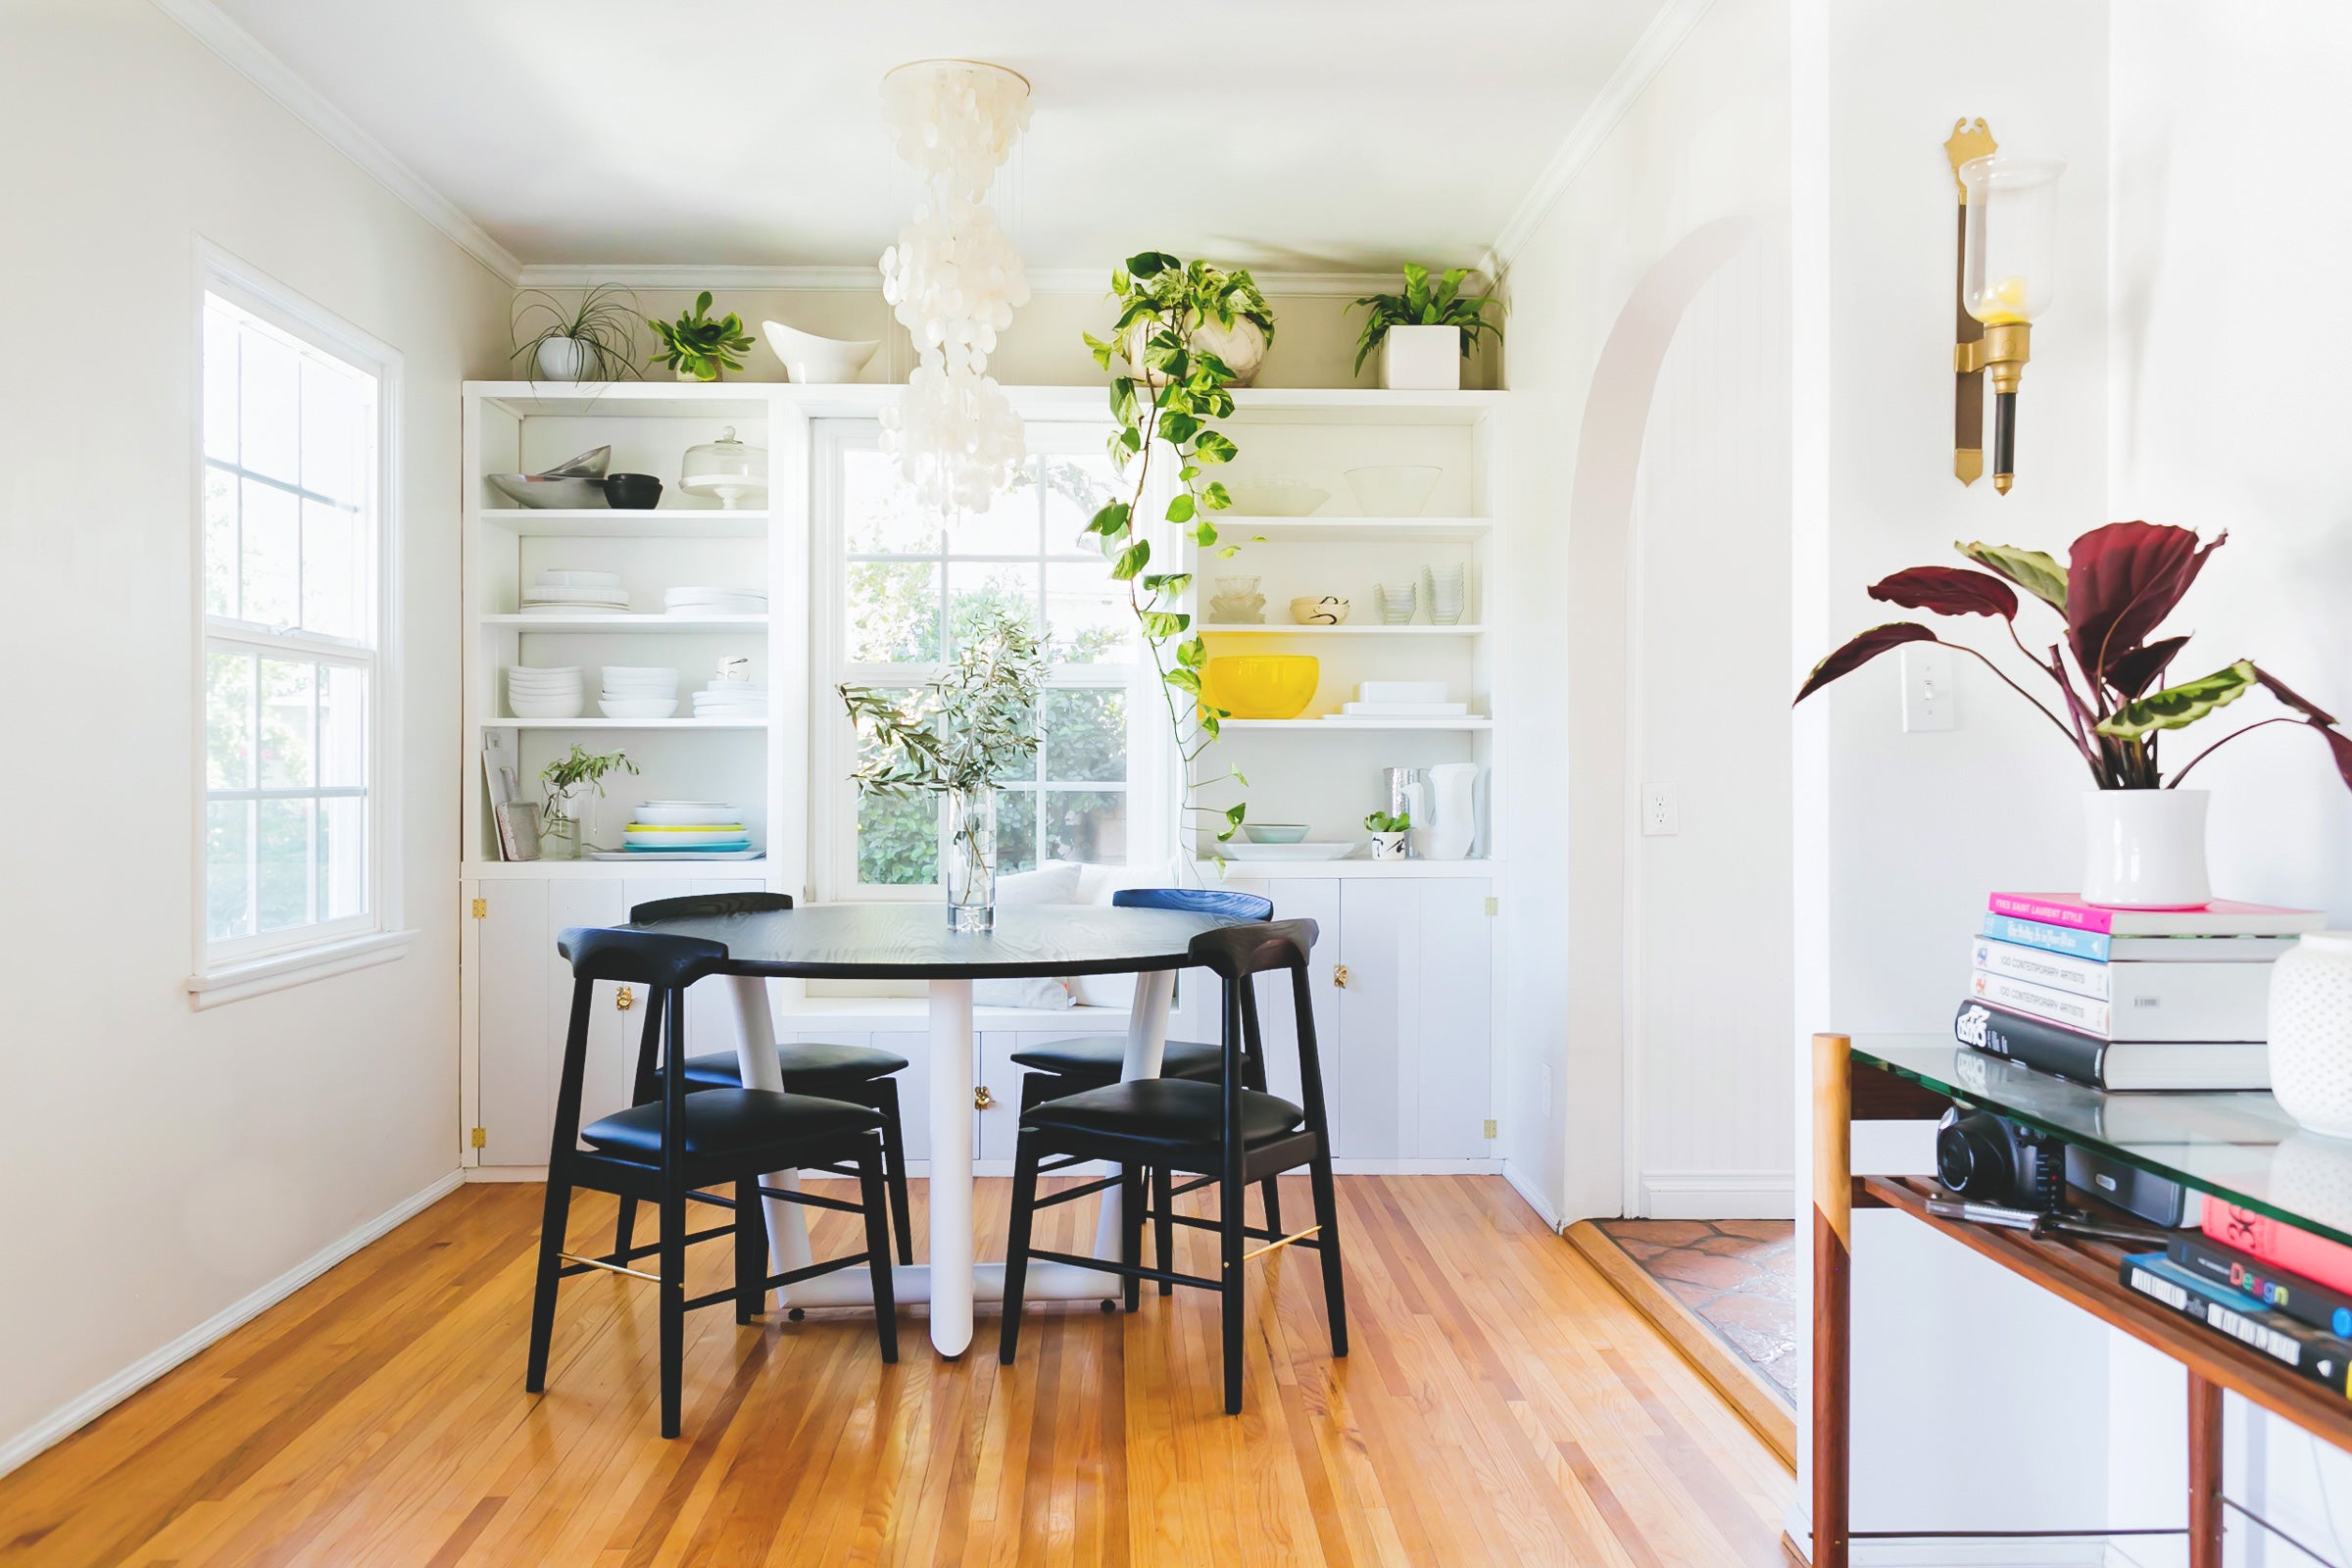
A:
{"x": 242, "y": 966}
{"x": 833, "y": 803}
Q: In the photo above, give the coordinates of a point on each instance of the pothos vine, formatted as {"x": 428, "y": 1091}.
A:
{"x": 1162, "y": 303}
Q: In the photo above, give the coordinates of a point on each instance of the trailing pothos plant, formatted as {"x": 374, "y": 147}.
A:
{"x": 2109, "y": 667}
{"x": 1167, "y": 410}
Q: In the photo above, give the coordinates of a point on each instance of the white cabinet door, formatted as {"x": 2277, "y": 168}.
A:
{"x": 1379, "y": 922}
{"x": 607, "y": 1082}
{"x": 1315, "y": 898}
{"x": 511, "y": 994}
{"x": 1448, "y": 1057}
{"x": 998, "y": 1129}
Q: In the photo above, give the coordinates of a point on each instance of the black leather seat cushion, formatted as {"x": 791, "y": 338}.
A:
{"x": 723, "y": 1123}
{"x": 807, "y": 1067}
{"x": 1102, "y": 1055}
{"x": 1166, "y": 1111}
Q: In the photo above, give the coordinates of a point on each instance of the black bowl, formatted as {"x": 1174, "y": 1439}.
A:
{"x": 632, "y": 492}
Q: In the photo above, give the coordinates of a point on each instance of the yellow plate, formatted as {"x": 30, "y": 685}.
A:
{"x": 1261, "y": 685}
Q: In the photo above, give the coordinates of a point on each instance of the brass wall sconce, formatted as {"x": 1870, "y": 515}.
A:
{"x": 2007, "y": 249}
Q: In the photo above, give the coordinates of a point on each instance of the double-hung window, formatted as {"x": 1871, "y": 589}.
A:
{"x": 293, "y": 476}
{"x": 898, "y": 585}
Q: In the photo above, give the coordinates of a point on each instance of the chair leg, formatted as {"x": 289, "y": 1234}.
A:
{"x": 1131, "y": 1233}
{"x": 1327, "y": 1215}
{"x": 1273, "y": 1197}
{"x": 1016, "y": 1246}
{"x": 624, "y": 1230}
{"x": 1163, "y": 1202}
{"x": 750, "y": 1251}
{"x": 870, "y": 1185}
{"x": 1233, "y": 1202}
{"x": 552, "y": 1223}
{"x": 673, "y": 1311}
{"x": 894, "y": 1162}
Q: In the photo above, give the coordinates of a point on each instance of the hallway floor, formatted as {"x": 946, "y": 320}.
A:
{"x": 1738, "y": 1275}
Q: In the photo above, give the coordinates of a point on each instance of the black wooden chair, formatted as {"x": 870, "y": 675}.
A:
{"x": 1226, "y": 1131}
{"x": 859, "y": 1074}
{"x": 665, "y": 1151}
{"x": 1071, "y": 1066}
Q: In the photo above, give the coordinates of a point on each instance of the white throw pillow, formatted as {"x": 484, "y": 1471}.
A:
{"x": 1055, "y": 882}
{"x": 1096, "y": 887}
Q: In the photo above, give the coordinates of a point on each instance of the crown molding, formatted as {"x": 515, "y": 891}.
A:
{"x": 1632, "y": 78}
{"x": 252, "y": 59}
{"x": 868, "y": 279}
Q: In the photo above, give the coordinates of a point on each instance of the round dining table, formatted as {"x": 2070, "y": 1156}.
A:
{"x": 910, "y": 942}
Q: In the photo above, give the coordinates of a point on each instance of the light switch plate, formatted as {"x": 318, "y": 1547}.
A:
{"x": 1931, "y": 699}
{"x": 1661, "y": 814}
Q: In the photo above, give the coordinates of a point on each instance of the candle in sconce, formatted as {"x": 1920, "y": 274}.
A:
{"x": 2003, "y": 303}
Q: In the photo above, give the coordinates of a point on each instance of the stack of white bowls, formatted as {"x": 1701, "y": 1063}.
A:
{"x": 575, "y": 592}
{"x": 639, "y": 693}
{"x": 715, "y": 602}
{"x": 731, "y": 699}
{"x": 544, "y": 693}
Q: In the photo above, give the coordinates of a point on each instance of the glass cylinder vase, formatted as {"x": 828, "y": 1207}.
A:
{"x": 971, "y": 865}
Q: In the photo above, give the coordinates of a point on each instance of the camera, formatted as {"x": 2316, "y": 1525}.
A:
{"x": 1992, "y": 1160}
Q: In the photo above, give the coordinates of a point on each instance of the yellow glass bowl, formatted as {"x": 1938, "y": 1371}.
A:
{"x": 1261, "y": 685}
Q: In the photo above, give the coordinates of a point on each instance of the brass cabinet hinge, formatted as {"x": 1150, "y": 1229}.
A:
{"x": 1494, "y": 906}
{"x": 1339, "y": 975}
{"x": 1490, "y": 1129}
{"x": 624, "y": 998}
{"x": 481, "y": 908}
{"x": 982, "y": 1099}
{"x": 481, "y": 1138}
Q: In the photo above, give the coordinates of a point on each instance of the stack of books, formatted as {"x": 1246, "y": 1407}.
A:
{"x": 2128, "y": 999}
{"x": 2283, "y": 1291}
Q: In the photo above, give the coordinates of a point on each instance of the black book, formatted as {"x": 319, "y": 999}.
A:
{"x": 2302, "y": 1300}
{"x": 2045, "y": 1046}
{"x": 2313, "y": 1353}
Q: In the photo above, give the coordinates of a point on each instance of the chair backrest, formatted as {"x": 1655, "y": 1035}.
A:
{"x": 1196, "y": 900}
{"x": 665, "y": 966}
{"x": 709, "y": 905}
{"x": 1234, "y": 953}
{"x": 640, "y": 958}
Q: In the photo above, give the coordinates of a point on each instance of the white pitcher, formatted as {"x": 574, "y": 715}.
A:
{"x": 1444, "y": 801}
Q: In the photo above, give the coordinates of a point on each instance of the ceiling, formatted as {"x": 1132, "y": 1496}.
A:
{"x": 1294, "y": 135}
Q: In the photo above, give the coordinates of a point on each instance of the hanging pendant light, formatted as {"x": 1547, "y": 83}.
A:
{"x": 954, "y": 281}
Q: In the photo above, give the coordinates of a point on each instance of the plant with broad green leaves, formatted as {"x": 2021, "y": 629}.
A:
{"x": 1163, "y": 301}
{"x": 1422, "y": 305}
{"x": 973, "y": 724}
{"x": 696, "y": 346}
{"x": 1388, "y": 821}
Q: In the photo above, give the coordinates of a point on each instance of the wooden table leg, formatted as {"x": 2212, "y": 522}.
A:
{"x": 2204, "y": 1473}
{"x": 1832, "y": 1303}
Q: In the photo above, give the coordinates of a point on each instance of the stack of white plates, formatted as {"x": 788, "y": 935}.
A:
{"x": 639, "y": 693}
{"x": 544, "y": 693}
{"x": 687, "y": 827}
{"x": 715, "y": 602}
{"x": 575, "y": 592}
{"x": 731, "y": 699}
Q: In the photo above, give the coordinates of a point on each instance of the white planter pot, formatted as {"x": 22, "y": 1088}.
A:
{"x": 2310, "y": 1032}
{"x": 1421, "y": 359}
{"x": 2146, "y": 849}
{"x": 1388, "y": 845}
{"x": 561, "y": 359}
{"x": 1243, "y": 348}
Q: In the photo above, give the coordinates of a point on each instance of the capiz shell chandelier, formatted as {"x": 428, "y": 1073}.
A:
{"x": 954, "y": 281}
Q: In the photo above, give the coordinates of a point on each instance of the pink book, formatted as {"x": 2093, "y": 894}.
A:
{"x": 2223, "y": 918}
{"x": 2296, "y": 1252}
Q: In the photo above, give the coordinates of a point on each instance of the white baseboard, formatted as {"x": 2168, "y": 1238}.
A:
{"x": 1718, "y": 1194}
{"x": 74, "y": 1413}
{"x": 1533, "y": 1196}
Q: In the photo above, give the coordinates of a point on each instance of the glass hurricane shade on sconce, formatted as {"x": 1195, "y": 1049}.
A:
{"x": 2012, "y": 243}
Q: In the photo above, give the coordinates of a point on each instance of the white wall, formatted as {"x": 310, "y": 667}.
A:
{"x": 160, "y": 1163}
{"x": 1694, "y": 171}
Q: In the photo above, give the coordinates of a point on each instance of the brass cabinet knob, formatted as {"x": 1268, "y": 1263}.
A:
{"x": 624, "y": 998}
{"x": 981, "y": 1099}
{"x": 1339, "y": 975}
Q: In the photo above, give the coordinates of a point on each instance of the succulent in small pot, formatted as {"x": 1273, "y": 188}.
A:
{"x": 1390, "y": 832}
{"x": 1425, "y": 332}
{"x": 592, "y": 338}
{"x": 698, "y": 348}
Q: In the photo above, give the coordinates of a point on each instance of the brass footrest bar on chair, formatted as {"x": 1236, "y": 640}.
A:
{"x": 1279, "y": 1242}
{"x": 575, "y": 1265}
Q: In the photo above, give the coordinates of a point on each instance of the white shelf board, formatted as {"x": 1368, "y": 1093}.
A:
{"x": 611, "y": 870}
{"x": 1348, "y": 530}
{"x": 627, "y": 400}
{"x": 1357, "y": 724}
{"x": 1360, "y": 405}
{"x": 628, "y": 624}
{"x": 624, "y": 723}
{"x": 1408, "y": 870}
{"x": 604, "y": 522}
{"x": 1368, "y": 629}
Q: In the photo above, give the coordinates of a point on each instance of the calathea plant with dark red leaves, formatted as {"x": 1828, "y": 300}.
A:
{"x": 2109, "y": 667}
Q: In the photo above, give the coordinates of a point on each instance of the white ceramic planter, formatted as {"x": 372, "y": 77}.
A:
{"x": 2146, "y": 849}
{"x": 1243, "y": 348}
{"x": 1388, "y": 845}
{"x": 1421, "y": 359}
{"x": 561, "y": 359}
{"x": 2310, "y": 1032}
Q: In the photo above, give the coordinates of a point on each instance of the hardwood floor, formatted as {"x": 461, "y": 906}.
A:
{"x": 1501, "y": 1405}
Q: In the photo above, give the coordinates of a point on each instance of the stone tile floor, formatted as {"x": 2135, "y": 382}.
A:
{"x": 1738, "y": 1275}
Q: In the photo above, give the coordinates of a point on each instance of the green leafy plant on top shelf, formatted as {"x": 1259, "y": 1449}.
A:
{"x": 1421, "y": 305}
{"x": 1167, "y": 410}
{"x": 696, "y": 346}
{"x": 1388, "y": 821}
{"x": 602, "y": 323}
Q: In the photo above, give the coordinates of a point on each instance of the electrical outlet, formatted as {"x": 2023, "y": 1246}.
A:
{"x": 1660, "y": 815}
{"x": 1931, "y": 700}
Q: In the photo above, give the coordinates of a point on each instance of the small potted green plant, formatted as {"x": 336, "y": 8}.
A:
{"x": 1203, "y": 309}
{"x": 1424, "y": 333}
{"x": 570, "y": 780}
{"x": 594, "y": 338}
{"x": 1389, "y": 830}
{"x": 698, "y": 348}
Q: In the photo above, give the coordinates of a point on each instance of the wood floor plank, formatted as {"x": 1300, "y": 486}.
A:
{"x": 1502, "y": 1404}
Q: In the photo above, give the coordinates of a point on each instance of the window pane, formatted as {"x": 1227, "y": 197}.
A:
{"x": 977, "y": 589}
{"x": 273, "y": 555}
{"x": 1086, "y": 825}
{"x": 286, "y": 704}
{"x": 1008, "y": 527}
{"x": 1016, "y": 831}
{"x": 343, "y": 727}
{"x": 898, "y": 840}
{"x": 879, "y": 517}
{"x": 334, "y": 431}
{"x": 219, "y": 384}
{"x": 229, "y": 721}
{"x": 342, "y": 857}
{"x": 269, "y": 408}
{"x": 893, "y": 613}
{"x": 1087, "y": 612}
{"x": 283, "y": 884}
{"x": 1086, "y": 734}
{"x": 219, "y": 542}
{"x": 1076, "y": 488}
{"x": 228, "y": 841}
{"x": 334, "y": 588}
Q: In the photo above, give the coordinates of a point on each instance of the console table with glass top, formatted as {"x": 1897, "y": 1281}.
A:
{"x": 2237, "y": 1148}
